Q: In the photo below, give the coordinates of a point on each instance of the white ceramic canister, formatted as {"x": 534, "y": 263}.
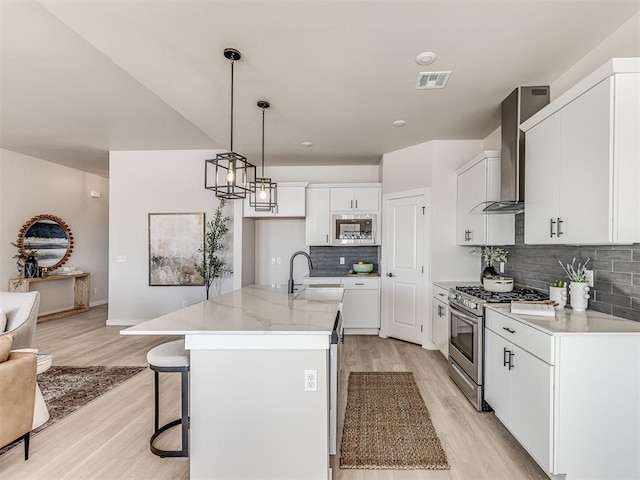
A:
{"x": 558, "y": 295}
{"x": 579, "y": 296}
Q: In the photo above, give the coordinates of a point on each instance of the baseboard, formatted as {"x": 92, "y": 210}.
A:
{"x": 122, "y": 322}
{"x": 97, "y": 303}
{"x": 361, "y": 331}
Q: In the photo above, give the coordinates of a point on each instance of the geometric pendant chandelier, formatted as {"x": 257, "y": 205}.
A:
{"x": 230, "y": 175}
{"x": 263, "y": 195}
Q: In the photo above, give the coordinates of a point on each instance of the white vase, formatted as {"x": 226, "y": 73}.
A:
{"x": 579, "y": 296}
{"x": 558, "y": 295}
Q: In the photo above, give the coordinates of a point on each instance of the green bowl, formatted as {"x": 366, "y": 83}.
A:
{"x": 363, "y": 268}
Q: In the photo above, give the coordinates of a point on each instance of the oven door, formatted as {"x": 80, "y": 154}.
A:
{"x": 465, "y": 343}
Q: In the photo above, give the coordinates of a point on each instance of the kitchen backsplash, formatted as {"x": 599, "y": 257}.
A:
{"x": 616, "y": 271}
{"x": 326, "y": 260}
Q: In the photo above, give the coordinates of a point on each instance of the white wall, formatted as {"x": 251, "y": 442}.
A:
{"x": 624, "y": 42}
{"x": 325, "y": 174}
{"x": 31, "y": 186}
{"x": 407, "y": 169}
{"x": 144, "y": 182}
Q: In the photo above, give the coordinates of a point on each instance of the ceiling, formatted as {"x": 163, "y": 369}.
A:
{"x": 80, "y": 78}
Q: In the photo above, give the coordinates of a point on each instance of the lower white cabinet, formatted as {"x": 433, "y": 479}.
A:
{"x": 569, "y": 395}
{"x": 440, "y": 326}
{"x": 360, "y": 304}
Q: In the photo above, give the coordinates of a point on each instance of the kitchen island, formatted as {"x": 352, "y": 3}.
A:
{"x": 253, "y": 413}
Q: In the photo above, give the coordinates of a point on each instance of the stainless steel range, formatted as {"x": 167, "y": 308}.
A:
{"x": 466, "y": 341}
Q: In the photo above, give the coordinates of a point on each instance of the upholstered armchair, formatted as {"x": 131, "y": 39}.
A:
{"x": 17, "y": 398}
{"x": 21, "y": 309}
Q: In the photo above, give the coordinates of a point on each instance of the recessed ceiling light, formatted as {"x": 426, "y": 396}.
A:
{"x": 306, "y": 144}
{"x": 425, "y": 58}
{"x": 399, "y": 123}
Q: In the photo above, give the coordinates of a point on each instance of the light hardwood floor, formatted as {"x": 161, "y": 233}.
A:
{"x": 108, "y": 439}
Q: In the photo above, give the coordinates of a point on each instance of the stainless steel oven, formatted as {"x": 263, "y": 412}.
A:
{"x": 465, "y": 353}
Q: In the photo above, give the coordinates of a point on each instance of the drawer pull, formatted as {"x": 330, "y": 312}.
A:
{"x": 359, "y": 284}
{"x": 508, "y": 330}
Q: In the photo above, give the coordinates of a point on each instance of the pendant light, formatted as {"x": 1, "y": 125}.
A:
{"x": 263, "y": 195}
{"x": 232, "y": 173}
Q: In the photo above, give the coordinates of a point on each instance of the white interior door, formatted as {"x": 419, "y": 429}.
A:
{"x": 404, "y": 269}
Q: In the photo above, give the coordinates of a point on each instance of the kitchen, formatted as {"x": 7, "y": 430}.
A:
{"x": 261, "y": 243}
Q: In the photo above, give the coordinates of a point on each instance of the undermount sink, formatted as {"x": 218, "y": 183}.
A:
{"x": 320, "y": 293}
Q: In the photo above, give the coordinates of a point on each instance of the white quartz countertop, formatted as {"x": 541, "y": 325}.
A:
{"x": 568, "y": 322}
{"x": 461, "y": 283}
{"x": 252, "y": 310}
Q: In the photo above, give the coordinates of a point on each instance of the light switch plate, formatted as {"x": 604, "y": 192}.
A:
{"x": 589, "y": 274}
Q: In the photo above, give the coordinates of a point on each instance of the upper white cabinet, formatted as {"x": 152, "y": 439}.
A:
{"x": 582, "y": 175}
{"x": 355, "y": 199}
{"x": 478, "y": 185}
{"x": 318, "y": 221}
{"x": 291, "y": 197}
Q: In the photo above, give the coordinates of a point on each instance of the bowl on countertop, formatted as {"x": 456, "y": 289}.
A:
{"x": 363, "y": 268}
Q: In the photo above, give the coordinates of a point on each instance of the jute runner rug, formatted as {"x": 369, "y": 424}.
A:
{"x": 66, "y": 389}
{"x": 387, "y": 425}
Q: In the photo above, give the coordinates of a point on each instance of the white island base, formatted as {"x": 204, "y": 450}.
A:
{"x": 252, "y": 418}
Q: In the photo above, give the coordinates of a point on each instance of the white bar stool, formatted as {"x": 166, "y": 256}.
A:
{"x": 171, "y": 357}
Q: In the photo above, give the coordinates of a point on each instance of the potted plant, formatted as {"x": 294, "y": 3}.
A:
{"x": 213, "y": 265}
{"x": 579, "y": 285}
{"x": 490, "y": 255}
{"x": 558, "y": 293}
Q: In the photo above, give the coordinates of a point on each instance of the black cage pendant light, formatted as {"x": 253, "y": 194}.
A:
{"x": 263, "y": 195}
{"x": 232, "y": 173}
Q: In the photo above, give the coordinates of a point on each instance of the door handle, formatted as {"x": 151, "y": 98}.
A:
{"x": 390, "y": 274}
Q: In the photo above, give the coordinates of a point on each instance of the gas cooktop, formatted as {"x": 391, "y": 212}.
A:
{"x": 518, "y": 293}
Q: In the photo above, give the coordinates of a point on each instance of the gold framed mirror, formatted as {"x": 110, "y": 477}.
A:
{"x": 50, "y": 237}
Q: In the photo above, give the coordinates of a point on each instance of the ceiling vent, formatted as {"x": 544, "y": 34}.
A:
{"x": 429, "y": 80}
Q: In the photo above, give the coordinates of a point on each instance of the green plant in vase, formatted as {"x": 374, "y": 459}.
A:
{"x": 490, "y": 255}
{"x": 213, "y": 265}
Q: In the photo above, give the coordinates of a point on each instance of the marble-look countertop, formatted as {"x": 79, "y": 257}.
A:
{"x": 252, "y": 310}
{"x": 461, "y": 283}
{"x": 340, "y": 275}
{"x": 568, "y": 322}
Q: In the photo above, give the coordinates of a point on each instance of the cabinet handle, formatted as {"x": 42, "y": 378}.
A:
{"x": 560, "y": 221}
{"x": 505, "y": 357}
{"x": 358, "y": 283}
{"x": 442, "y": 294}
{"x": 511, "y": 355}
{"x": 327, "y": 238}
{"x": 470, "y": 235}
{"x": 508, "y": 330}
{"x": 552, "y": 222}
{"x": 439, "y": 310}
{"x": 351, "y": 203}
{"x": 356, "y": 203}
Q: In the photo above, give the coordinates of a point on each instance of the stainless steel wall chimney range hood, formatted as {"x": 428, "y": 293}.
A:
{"x": 521, "y": 104}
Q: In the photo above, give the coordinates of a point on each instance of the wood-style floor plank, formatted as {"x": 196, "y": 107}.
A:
{"x": 109, "y": 438}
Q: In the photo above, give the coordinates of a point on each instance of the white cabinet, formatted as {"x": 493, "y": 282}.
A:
{"x": 318, "y": 219}
{"x": 582, "y": 175}
{"x": 355, "y": 199}
{"x": 361, "y": 305}
{"x": 440, "y": 320}
{"x": 291, "y": 197}
{"x": 570, "y": 396}
{"x": 478, "y": 185}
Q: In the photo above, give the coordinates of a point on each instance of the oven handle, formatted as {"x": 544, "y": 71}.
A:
{"x": 464, "y": 316}
{"x": 462, "y": 375}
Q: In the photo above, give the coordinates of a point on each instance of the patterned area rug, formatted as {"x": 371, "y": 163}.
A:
{"x": 66, "y": 389}
{"x": 387, "y": 425}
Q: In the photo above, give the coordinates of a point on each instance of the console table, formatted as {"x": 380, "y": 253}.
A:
{"x": 80, "y": 292}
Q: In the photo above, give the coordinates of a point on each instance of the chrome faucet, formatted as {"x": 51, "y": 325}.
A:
{"x": 290, "y": 289}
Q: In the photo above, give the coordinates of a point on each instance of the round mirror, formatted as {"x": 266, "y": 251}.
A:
{"x": 50, "y": 237}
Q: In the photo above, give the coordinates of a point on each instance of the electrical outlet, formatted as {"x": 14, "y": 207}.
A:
{"x": 278, "y": 260}
{"x": 273, "y": 260}
{"x": 184, "y": 304}
{"x": 501, "y": 267}
{"x": 589, "y": 274}
{"x": 95, "y": 290}
{"x": 121, "y": 259}
{"x": 310, "y": 380}
{"x": 341, "y": 260}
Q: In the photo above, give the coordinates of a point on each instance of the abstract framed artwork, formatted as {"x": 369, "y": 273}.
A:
{"x": 176, "y": 241}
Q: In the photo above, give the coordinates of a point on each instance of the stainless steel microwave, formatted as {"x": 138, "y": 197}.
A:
{"x": 353, "y": 229}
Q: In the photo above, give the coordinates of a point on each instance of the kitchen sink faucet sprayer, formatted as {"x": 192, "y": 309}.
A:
{"x": 290, "y": 289}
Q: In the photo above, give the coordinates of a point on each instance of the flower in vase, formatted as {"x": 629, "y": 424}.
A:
{"x": 576, "y": 273}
